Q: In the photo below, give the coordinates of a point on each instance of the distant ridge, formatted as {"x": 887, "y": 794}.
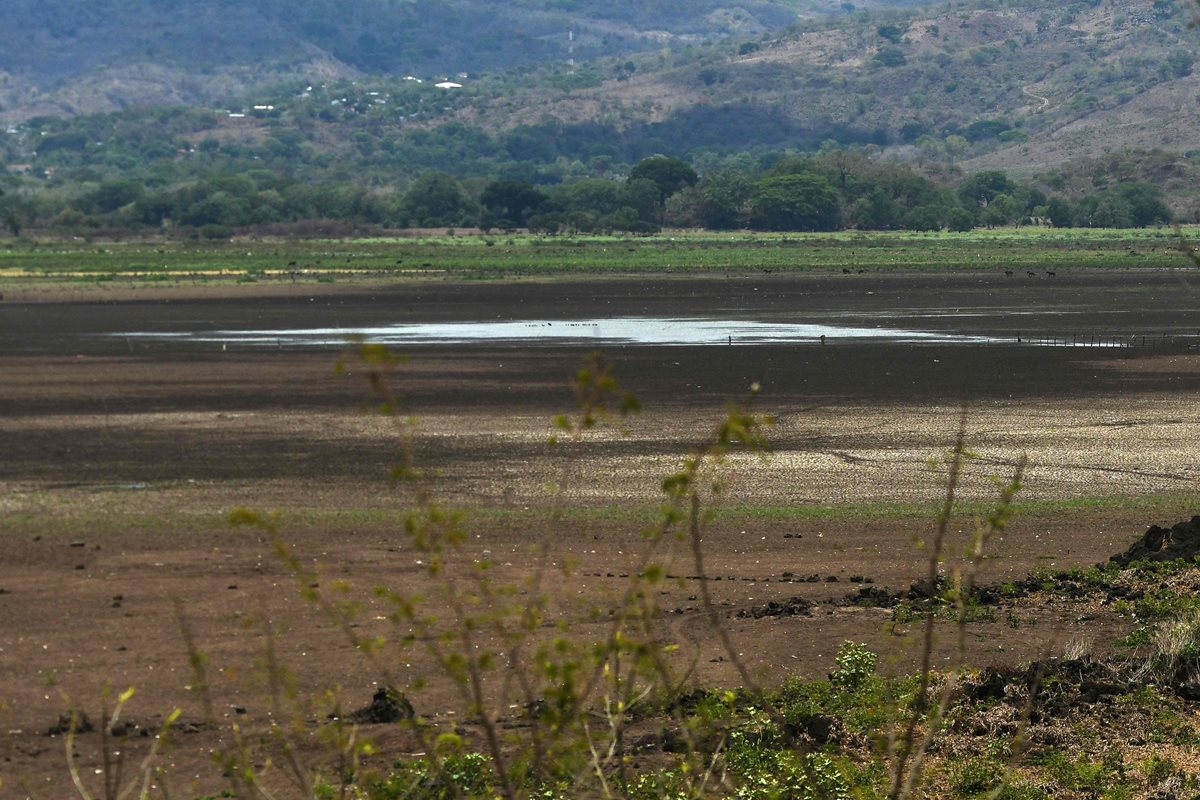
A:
{"x": 107, "y": 54}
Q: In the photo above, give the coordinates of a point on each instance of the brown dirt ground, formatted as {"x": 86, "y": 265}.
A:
{"x": 122, "y": 459}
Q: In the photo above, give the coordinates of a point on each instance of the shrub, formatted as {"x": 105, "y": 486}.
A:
{"x": 215, "y": 232}
{"x": 1157, "y": 769}
{"x": 855, "y": 665}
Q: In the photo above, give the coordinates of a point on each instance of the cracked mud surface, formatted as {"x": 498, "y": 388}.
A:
{"x": 121, "y": 462}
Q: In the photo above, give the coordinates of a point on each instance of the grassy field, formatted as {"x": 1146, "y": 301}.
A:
{"x": 43, "y": 514}
{"x": 502, "y": 256}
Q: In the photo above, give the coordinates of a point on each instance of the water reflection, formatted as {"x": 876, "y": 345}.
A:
{"x": 621, "y": 330}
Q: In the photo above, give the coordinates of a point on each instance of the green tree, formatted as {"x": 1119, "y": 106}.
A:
{"x": 626, "y": 218}
{"x": 154, "y": 208}
{"x": 793, "y": 165}
{"x": 11, "y": 212}
{"x": 983, "y": 129}
{"x": 111, "y": 195}
{"x": 437, "y": 200}
{"x": 890, "y": 56}
{"x": 595, "y": 196}
{"x": 1002, "y": 210}
{"x": 955, "y": 145}
{"x": 1060, "y": 212}
{"x": 723, "y": 195}
{"x": 893, "y": 33}
{"x": 959, "y": 220}
{"x": 981, "y": 188}
{"x": 643, "y": 196}
{"x": 923, "y": 218}
{"x": 510, "y": 203}
{"x": 669, "y": 174}
{"x": 1178, "y": 64}
{"x": 1145, "y": 202}
{"x": 876, "y": 211}
{"x": 219, "y": 208}
{"x": 795, "y": 203}
{"x": 1106, "y": 210}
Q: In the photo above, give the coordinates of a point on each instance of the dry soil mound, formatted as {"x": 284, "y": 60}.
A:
{"x": 1181, "y": 540}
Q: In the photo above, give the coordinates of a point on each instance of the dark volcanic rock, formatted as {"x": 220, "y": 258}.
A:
{"x": 923, "y": 590}
{"x": 387, "y": 705}
{"x": 792, "y": 607}
{"x": 991, "y": 684}
{"x": 1181, "y": 540}
{"x": 873, "y": 597}
{"x": 820, "y": 728}
{"x": 71, "y": 719}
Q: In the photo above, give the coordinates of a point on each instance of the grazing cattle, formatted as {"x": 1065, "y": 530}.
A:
{"x": 1031, "y": 273}
{"x": 845, "y": 271}
{"x": 1050, "y": 273}
{"x": 1008, "y": 272}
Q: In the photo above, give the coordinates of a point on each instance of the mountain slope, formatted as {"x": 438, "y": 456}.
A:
{"x": 1023, "y": 86}
{"x": 194, "y": 50}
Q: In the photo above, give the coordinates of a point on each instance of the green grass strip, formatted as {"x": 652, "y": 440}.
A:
{"x": 1157, "y": 507}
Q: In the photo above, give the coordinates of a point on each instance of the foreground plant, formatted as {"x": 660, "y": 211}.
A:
{"x": 112, "y": 772}
{"x": 910, "y": 747}
{"x": 489, "y": 639}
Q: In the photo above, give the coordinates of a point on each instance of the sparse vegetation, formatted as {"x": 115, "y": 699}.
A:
{"x": 437, "y": 257}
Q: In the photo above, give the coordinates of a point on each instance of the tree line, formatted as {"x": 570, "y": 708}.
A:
{"x": 828, "y": 191}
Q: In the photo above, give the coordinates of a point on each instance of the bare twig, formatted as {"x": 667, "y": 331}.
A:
{"x": 907, "y": 741}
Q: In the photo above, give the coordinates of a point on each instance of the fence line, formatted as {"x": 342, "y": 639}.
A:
{"x": 1112, "y": 340}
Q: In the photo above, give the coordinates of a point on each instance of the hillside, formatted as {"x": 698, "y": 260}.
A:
{"x": 64, "y": 57}
{"x": 1021, "y": 87}
{"x": 1071, "y": 101}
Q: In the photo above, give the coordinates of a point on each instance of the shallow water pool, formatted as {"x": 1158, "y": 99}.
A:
{"x": 609, "y": 331}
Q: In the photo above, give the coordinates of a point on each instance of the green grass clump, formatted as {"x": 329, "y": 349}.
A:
{"x": 468, "y": 774}
{"x": 864, "y": 703}
{"x": 1021, "y": 791}
{"x": 1104, "y": 778}
{"x": 976, "y": 775}
{"x": 768, "y": 769}
{"x": 1156, "y": 769}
